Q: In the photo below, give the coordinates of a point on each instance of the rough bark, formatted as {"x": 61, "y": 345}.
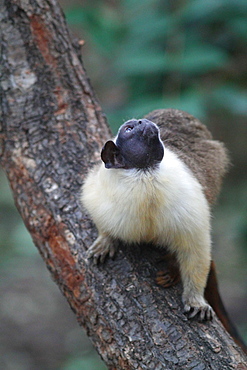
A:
{"x": 52, "y": 130}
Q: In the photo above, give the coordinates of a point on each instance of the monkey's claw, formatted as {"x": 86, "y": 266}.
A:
{"x": 204, "y": 313}
{"x": 167, "y": 278}
{"x": 164, "y": 280}
{"x": 101, "y": 248}
{"x": 195, "y": 305}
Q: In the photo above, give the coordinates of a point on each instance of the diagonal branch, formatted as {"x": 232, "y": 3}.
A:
{"x": 52, "y": 131}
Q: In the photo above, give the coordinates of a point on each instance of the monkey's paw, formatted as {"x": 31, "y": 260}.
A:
{"x": 167, "y": 278}
{"x": 198, "y": 307}
{"x": 102, "y": 247}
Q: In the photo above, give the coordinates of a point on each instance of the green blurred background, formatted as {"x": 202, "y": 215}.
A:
{"x": 140, "y": 55}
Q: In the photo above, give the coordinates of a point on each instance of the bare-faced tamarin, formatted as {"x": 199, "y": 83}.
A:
{"x": 157, "y": 181}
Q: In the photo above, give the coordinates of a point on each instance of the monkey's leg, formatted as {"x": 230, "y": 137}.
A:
{"x": 194, "y": 263}
{"x": 103, "y": 246}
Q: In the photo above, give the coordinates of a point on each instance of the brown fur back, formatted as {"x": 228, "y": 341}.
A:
{"x": 193, "y": 143}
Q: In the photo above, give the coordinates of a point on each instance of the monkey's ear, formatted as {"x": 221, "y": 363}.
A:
{"x": 111, "y": 156}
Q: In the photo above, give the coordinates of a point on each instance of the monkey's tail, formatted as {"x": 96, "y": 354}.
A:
{"x": 213, "y": 297}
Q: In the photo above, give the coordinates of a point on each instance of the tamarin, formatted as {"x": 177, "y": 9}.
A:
{"x": 157, "y": 181}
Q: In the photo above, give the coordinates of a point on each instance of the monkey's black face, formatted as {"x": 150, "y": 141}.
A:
{"x": 138, "y": 145}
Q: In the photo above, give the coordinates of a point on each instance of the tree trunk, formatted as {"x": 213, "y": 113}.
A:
{"x": 51, "y": 133}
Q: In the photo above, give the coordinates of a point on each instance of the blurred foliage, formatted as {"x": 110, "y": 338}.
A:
{"x": 150, "y": 54}
{"x": 14, "y": 239}
{"x": 140, "y": 55}
{"x": 87, "y": 362}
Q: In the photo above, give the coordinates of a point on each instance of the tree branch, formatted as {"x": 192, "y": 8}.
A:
{"x": 52, "y": 132}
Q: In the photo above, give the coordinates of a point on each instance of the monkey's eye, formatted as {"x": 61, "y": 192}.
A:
{"x": 128, "y": 128}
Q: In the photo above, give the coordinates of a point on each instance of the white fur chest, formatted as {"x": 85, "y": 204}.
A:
{"x": 136, "y": 205}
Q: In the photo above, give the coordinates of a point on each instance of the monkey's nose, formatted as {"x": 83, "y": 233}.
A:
{"x": 143, "y": 121}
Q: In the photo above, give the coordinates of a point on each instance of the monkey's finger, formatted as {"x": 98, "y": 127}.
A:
{"x": 95, "y": 251}
{"x": 112, "y": 251}
{"x": 208, "y": 314}
{"x": 102, "y": 257}
{"x": 167, "y": 278}
{"x": 165, "y": 281}
{"x": 95, "y": 260}
{"x": 193, "y": 312}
